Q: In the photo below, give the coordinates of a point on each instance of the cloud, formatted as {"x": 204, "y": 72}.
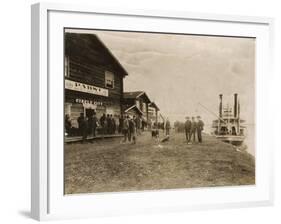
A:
{"x": 178, "y": 71}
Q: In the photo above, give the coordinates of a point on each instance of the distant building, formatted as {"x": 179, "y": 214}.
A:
{"x": 136, "y": 103}
{"x": 93, "y": 77}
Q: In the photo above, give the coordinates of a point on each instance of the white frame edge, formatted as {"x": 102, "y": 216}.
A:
{"x": 39, "y": 91}
{"x": 39, "y": 115}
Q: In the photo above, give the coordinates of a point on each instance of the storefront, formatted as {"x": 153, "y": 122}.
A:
{"x": 93, "y": 79}
{"x": 77, "y": 102}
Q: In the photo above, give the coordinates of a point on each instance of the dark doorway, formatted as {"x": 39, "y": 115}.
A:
{"x": 90, "y": 112}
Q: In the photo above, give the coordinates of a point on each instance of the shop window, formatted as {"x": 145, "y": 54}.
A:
{"x": 109, "y": 80}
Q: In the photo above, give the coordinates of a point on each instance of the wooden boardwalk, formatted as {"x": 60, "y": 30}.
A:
{"x": 90, "y": 138}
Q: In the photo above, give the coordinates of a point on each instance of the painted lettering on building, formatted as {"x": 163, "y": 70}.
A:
{"x": 82, "y": 87}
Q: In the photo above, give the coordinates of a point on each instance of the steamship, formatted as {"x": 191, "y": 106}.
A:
{"x": 229, "y": 126}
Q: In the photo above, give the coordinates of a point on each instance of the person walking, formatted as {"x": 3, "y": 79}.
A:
{"x": 193, "y": 129}
{"x": 187, "y": 127}
{"x": 167, "y": 126}
{"x": 200, "y": 128}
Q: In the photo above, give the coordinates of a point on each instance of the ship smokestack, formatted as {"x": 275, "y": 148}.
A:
{"x": 235, "y": 105}
{"x": 220, "y": 106}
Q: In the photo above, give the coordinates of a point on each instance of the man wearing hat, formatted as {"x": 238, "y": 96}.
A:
{"x": 200, "y": 128}
{"x": 193, "y": 129}
{"x": 187, "y": 127}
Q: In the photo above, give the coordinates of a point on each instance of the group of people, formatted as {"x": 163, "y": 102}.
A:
{"x": 193, "y": 128}
{"x": 131, "y": 128}
{"x": 89, "y": 125}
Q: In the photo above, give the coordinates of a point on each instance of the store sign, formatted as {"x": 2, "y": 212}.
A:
{"x": 82, "y": 87}
{"x": 93, "y": 102}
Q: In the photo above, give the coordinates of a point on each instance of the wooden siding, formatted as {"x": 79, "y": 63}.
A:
{"x": 94, "y": 75}
{"x": 88, "y": 61}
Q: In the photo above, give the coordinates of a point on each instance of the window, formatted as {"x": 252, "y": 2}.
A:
{"x": 66, "y": 66}
{"x": 109, "y": 79}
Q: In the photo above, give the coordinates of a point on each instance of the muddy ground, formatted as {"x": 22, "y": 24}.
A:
{"x": 108, "y": 165}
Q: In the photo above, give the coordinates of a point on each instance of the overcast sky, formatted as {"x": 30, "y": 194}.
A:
{"x": 180, "y": 71}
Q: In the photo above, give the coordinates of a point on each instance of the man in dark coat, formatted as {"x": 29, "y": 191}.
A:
{"x": 187, "y": 127}
{"x": 125, "y": 127}
{"x": 109, "y": 124}
{"x": 167, "y": 127}
{"x": 102, "y": 123}
{"x": 113, "y": 123}
{"x": 193, "y": 129}
{"x": 95, "y": 124}
{"x": 200, "y": 128}
{"x": 80, "y": 120}
{"x": 132, "y": 130}
{"x": 67, "y": 124}
{"x": 120, "y": 128}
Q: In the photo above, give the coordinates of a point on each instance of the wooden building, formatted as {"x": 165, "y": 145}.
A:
{"x": 93, "y": 77}
{"x": 136, "y": 101}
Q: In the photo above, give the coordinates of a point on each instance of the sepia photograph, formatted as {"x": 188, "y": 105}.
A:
{"x": 157, "y": 111}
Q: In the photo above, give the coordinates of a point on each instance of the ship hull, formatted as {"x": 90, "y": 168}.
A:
{"x": 232, "y": 139}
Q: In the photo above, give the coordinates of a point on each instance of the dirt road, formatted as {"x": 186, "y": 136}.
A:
{"x": 108, "y": 165}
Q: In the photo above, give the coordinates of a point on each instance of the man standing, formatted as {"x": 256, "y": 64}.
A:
{"x": 193, "y": 129}
{"x": 80, "y": 120}
{"x": 67, "y": 125}
{"x": 109, "y": 125}
{"x": 125, "y": 127}
{"x": 200, "y": 128}
{"x": 95, "y": 124}
{"x": 132, "y": 130}
{"x": 167, "y": 127}
{"x": 187, "y": 127}
{"x": 102, "y": 123}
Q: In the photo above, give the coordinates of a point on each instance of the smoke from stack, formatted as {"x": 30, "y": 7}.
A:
{"x": 235, "y": 105}
{"x": 220, "y": 106}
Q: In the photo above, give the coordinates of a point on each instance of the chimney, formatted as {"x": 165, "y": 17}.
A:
{"x": 235, "y": 105}
{"x": 220, "y": 106}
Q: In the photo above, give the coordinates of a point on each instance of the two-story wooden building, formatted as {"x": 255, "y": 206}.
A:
{"x": 93, "y": 77}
